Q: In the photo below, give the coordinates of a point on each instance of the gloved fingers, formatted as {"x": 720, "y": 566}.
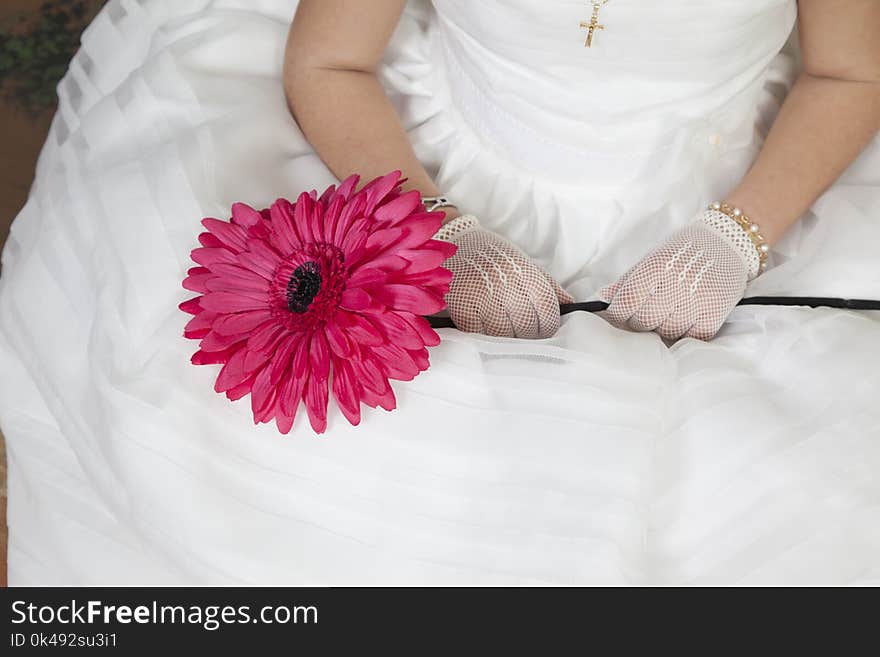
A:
{"x": 649, "y": 316}
{"x": 607, "y": 293}
{"x": 679, "y": 322}
{"x": 633, "y": 291}
{"x": 658, "y": 305}
{"x": 544, "y": 300}
{"x": 705, "y": 327}
{"x": 713, "y": 309}
{"x": 561, "y": 295}
{"x": 468, "y": 321}
{"x": 466, "y": 317}
{"x": 496, "y": 320}
{"x": 524, "y": 319}
{"x": 513, "y": 300}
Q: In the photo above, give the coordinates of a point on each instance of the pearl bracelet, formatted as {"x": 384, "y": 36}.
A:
{"x": 751, "y": 229}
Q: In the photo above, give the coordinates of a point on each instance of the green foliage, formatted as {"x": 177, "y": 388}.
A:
{"x": 35, "y": 50}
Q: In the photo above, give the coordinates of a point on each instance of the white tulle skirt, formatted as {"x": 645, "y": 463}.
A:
{"x": 597, "y": 456}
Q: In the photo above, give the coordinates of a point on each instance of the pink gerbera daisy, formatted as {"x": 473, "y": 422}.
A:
{"x": 325, "y": 294}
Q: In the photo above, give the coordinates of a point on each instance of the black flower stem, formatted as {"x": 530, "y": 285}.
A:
{"x": 809, "y": 302}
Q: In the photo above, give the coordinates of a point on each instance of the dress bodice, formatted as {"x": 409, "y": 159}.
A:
{"x": 522, "y": 76}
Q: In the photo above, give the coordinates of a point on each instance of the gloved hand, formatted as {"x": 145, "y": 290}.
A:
{"x": 496, "y": 289}
{"x": 688, "y": 286}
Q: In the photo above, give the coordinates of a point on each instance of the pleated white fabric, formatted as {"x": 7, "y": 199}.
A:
{"x": 596, "y": 456}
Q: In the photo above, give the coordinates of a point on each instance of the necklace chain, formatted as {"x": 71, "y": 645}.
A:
{"x": 594, "y": 24}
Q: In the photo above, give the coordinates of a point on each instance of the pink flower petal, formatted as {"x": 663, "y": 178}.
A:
{"x": 244, "y": 215}
{"x": 355, "y": 299}
{"x": 237, "y": 392}
{"x": 193, "y": 306}
{"x": 319, "y": 352}
{"x": 264, "y": 337}
{"x": 398, "y": 331}
{"x": 209, "y": 257}
{"x": 316, "y": 222}
{"x": 447, "y": 248}
{"x": 227, "y": 302}
{"x": 438, "y": 277}
{"x": 316, "y": 396}
{"x": 360, "y": 329}
{"x": 332, "y": 214}
{"x": 198, "y": 282}
{"x": 409, "y": 298}
{"x": 284, "y": 234}
{"x": 328, "y": 194}
{"x": 420, "y": 358}
{"x": 399, "y": 208}
{"x": 420, "y": 260}
{"x": 370, "y": 375}
{"x": 337, "y": 341}
{"x": 397, "y": 363}
{"x": 230, "y": 234}
{"x": 378, "y": 189}
{"x": 223, "y": 284}
{"x": 390, "y": 262}
{"x": 262, "y": 394}
{"x": 210, "y": 241}
{"x": 300, "y": 365}
{"x": 241, "y": 322}
{"x": 257, "y": 264}
{"x": 216, "y": 342}
{"x": 229, "y": 277}
{"x": 388, "y": 401}
{"x": 261, "y": 250}
{"x": 428, "y": 335}
{"x": 346, "y": 189}
{"x": 197, "y": 328}
{"x": 281, "y": 360}
{"x": 302, "y": 211}
{"x": 283, "y": 422}
{"x": 255, "y": 360}
{"x": 352, "y": 211}
{"x": 355, "y": 239}
{"x": 213, "y": 357}
{"x": 261, "y": 231}
{"x": 384, "y": 400}
{"x": 381, "y": 241}
{"x": 345, "y": 391}
{"x": 417, "y": 233}
{"x": 232, "y": 373}
{"x": 291, "y": 392}
{"x": 366, "y": 276}
{"x": 240, "y": 272}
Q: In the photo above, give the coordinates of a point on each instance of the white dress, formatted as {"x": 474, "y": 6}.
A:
{"x": 597, "y": 456}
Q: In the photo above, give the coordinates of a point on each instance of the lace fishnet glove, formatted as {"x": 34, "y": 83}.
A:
{"x": 685, "y": 288}
{"x": 496, "y": 289}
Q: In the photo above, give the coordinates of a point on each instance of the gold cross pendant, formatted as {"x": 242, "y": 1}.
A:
{"x": 592, "y": 26}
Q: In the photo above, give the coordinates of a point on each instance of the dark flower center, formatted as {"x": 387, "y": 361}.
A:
{"x": 307, "y": 286}
{"x": 304, "y": 285}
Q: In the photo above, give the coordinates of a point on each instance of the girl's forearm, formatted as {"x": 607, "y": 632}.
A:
{"x": 822, "y": 127}
{"x": 352, "y": 125}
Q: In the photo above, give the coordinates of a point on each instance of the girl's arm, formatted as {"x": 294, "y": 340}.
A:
{"x": 690, "y": 283}
{"x": 333, "y": 49}
{"x": 831, "y": 114}
{"x": 330, "y": 80}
